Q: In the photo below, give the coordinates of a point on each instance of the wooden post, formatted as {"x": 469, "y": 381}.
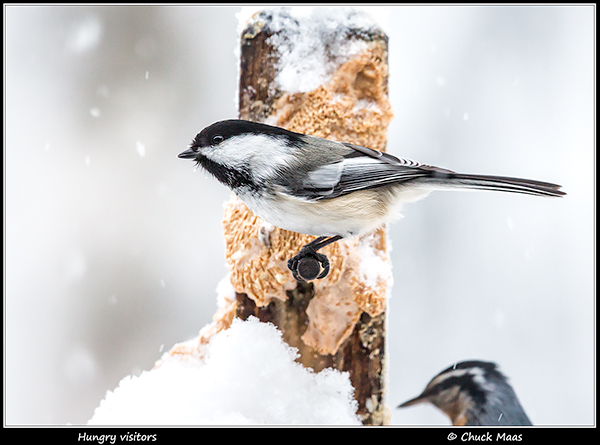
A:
{"x": 339, "y": 321}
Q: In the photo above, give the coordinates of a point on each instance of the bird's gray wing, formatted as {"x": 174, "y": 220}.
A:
{"x": 364, "y": 168}
{"x": 361, "y": 168}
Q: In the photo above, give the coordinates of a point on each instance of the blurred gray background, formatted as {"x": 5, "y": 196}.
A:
{"x": 113, "y": 245}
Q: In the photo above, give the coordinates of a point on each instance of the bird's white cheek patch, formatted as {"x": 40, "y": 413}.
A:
{"x": 261, "y": 155}
{"x": 269, "y": 156}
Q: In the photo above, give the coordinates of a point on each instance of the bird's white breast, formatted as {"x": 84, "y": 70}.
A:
{"x": 356, "y": 213}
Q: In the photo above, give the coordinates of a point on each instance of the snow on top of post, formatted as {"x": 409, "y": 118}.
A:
{"x": 312, "y": 41}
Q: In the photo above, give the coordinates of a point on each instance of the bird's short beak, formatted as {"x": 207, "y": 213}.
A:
{"x": 188, "y": 154}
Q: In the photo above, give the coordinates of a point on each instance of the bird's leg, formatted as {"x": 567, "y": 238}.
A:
{"x": 307, "y": 264}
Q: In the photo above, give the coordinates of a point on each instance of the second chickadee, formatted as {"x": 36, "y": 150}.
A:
{"x": 333, "y": 190}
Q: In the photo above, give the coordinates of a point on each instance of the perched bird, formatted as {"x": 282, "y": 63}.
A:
{"x": 333, "y": 190}
{"x": 473, "y": 393}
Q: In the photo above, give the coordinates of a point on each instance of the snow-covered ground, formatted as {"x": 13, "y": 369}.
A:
{"x": 248, "y": 377}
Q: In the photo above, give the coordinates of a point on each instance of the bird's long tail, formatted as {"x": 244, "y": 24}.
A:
{"x": 499, "y": 183}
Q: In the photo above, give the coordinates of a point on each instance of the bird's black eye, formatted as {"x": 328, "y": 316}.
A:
{"x": 217, "y": 139}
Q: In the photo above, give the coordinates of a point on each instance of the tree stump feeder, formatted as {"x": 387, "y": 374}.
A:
{"x": 324, "y": 75}
{"x": 339, "y": 321}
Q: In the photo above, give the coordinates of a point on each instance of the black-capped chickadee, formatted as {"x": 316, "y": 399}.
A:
{"x": 333, "y": 190}
{"x": 473, "y": 393}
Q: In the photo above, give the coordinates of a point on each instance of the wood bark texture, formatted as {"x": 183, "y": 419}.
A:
{"x": 358, "y": 346}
